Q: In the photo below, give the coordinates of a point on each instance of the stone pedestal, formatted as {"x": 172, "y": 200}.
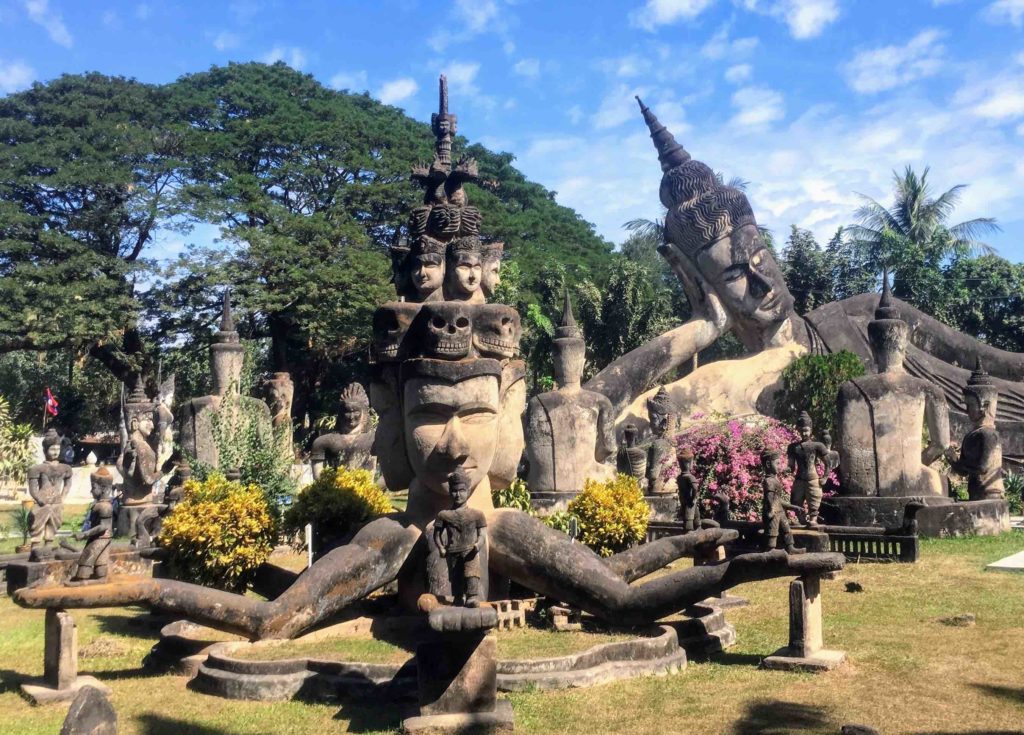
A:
{"x": 723, "y": 599}
{"x": 60, "y": 681}
{"x": 457, "y": 676}
{"x": 805, "y": 651}
{"x": 941, "y": 517}
{"x": 124, "y": 561}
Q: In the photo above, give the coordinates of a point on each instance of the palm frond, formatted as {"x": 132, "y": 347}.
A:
{"x": 646, "y": 227}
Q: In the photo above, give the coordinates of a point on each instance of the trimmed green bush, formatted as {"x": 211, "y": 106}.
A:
{"x": 811, "y": 383}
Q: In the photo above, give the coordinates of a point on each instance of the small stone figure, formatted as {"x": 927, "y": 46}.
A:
{"x": 94, "y": 563}
{"x": 460, "y": 538}
{"x": 351, "y": 443}
{"x": 48, "y": 484}
{"x": 280, "y": 394}
{"x": 631, "y": 459}
{"x": 661, "y": 413}
{"x": 773, "y": 507}
{"x": 689, "y": 491}
{"x": 981, "y": 453}
{"x": 803, "y": 456}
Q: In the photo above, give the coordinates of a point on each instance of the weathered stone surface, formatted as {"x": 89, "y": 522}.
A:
{"x": 48, "y": 484}
{"x": 124, "y": 562}
{"x": 91, "y": 714}
{"x": 495, "y": 722}
{"x": 60, "y": 656}
{"x": 457, "y": 674}
{"x": 1012, "y": 563}
{"x": 805, "y": 651}
{"x": 351, "y": 443}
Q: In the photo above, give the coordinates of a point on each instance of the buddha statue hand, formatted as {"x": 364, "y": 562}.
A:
{"x": 704, "y": 302}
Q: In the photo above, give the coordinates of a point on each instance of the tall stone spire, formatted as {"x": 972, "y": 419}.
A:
{"x": 670, "y": 152}
{"x": 886, "y": 308}
{"x": 226, "y": 332}
{"x": 443, "y": 125}
{"x": 568, "y": 329}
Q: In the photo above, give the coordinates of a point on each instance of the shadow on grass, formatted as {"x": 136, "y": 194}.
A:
{"x": 371, "y": 716}
{"x": 1008, "y": 693}
{"x": 769, "y": 716}
{"x": 736, "y": 659}
{"x": 135, "y": 673}
{"x": 10, "y": 680}
{"x": 159, "y": 725}
{"x": 143, "y": 625}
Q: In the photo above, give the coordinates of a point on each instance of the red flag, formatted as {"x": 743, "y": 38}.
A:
{"x": 51, "y": 403}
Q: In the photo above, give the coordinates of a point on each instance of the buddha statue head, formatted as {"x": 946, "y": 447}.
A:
{"x": 353, "y": 410}
{"x": 888, "y": 334}
{"x": 464, "y": 268}
{"x": 490, "y": 256}
{"x": 570, "y": 349}
{"x": 51, "y": 445}
{"x": 713, "y": 229}
{"x": 981, "y": 397}
{"x": 804, "y": 426}
{"x": 140, "y": 412}
{"x": 101, "y": 483}
{"x": 661, "y": 413}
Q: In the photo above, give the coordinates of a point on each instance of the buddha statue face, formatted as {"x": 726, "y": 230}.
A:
{"x": 888, "y": 338}
{"x": 427, "y": 273}
{"x": 143, "y": 423}
{"x": 467, "y": 274}
{"x": 491, "y": 276}
{"x": 448, "y": 425}
{"x": 351, "y": 417}
{"x": 744, "y": 274}
{"x": 981, "y": 407}
{"x": 52, "y": 451}
{"x": 570, "y": 357}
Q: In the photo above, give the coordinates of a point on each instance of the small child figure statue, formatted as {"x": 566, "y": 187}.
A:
{"x": 460, "y": 537}
{"x": 93, "y": 564}
{"x": 689, "y": 491}
{"x": 773, "y": 508}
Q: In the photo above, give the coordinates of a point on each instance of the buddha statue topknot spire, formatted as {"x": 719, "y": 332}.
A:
{"x": 670, "y": 152}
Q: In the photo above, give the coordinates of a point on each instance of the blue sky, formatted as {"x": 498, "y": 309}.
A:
{"x": 811, "y": 101}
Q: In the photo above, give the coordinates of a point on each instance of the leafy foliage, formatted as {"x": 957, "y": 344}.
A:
{"x": 811, "y": 383}
{"x": 613, "y": 515}
{"x": 15, "y": 448}
{"x": 1014, "y": 484}
{"x": 220, "y": 533}
{"x": 516, "y": 495}
{"x": 337, "y": 503}
{"x": 561, "y": 520}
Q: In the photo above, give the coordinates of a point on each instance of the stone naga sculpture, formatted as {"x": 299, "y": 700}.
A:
{"x": 48, "y": 484}
{"x": 351, "y": 444}
{"x": 734, "y": 284}
{"x": 981, "y": 454}
{"x": 447, "y": 409}
{"x": 569, "y": 431}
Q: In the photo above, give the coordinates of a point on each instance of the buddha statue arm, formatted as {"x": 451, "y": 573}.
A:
{"x": 936, "y": 415}
{"x": 606, "y": 444}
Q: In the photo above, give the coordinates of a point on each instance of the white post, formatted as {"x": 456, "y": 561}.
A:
{"x": 309, "y": 545}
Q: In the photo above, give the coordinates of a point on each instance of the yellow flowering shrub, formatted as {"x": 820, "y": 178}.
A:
{"x": 612, "y": 515}
{"x": 219, "y": 533}
{"x": 337, "y": 503}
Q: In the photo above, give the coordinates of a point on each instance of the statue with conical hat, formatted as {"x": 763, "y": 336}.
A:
{"x": 734, "y": 284}
{"x": 881, "y": 419}
{"x": 569, "y": 434}
{"x": 980, "y": 457}
{"x": 662, "y": 417}
{"x": 351, "y": 442}
{"x": 226, "y": 410}
{"x": 48, "y": 484}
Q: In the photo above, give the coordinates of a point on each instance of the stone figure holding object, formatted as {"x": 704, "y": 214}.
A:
{"x": 774, "y": 507}
{"x": 48, "y": 484}
{"x": 460, "y": 535}
{"x": 632, "y": 459}
{"x": 980, "y": 457}
{"x": 689, "y": 491}
{"x": 803, "y": 457}
{"x": 661, "y": 414}
{"x": 94, "y": 563}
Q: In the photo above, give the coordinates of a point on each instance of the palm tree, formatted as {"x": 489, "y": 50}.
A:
{"x": 913, "y": 232}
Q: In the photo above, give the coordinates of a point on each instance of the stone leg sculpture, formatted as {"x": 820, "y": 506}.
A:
{"x": 60, "y": 681}
{"x": 805, "y": 651}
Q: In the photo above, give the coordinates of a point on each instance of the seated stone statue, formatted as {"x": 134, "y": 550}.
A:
{"x": 981, "y": 455}
{"x": 48, "y": 484}
{"x": 460, "y": 536}
{"x": 568, "y": 430}
{"x": 94, "y": 563}
{"x": 881, "y": 419}
{"x": 351, "y": 444}
{"x": 632, "y": 459}
{"x": 661, "y": 454}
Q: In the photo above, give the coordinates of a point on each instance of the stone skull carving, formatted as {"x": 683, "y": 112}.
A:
{"x": 445, "y": 331}
{"x": 391, "y": 323}
{"x": 496, "y": 331}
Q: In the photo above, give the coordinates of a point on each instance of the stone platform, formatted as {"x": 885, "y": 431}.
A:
{"x": 124, "y": 561}
{"x": 1012, "y": 563}
{"x": 940, "y": 518}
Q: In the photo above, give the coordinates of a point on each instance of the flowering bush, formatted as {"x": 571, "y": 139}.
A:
{"x": 338, "y": 502}
{"x": 727, "y": 454}
{"x": 219, "y": 533}
{"x": 612, "y": 515}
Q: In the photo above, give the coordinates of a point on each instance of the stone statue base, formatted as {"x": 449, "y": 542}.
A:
{"x": 60, "y": 681}
{"x": 805, "y": 651}
{"x": 941, "y": 517}
{"x": 664, "y": 507}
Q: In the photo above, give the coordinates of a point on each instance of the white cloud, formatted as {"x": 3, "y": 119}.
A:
{"x": 888, "y": 67}
{"x": 40, "y": 13}
{"x": 294, "y": 56}
{"x": 738, "y": 73}
{"x": 617, "y": 107}
{"x": 656, "y": 13}
{"x": 15, "y": 75}
{"x": 575, "y": 114}
{"x": 624, "y": 67}
{"x": 509, "y": 47}
{"x": 757, "y": 106}
{"x": 805, "y": 18}
{"x": 527, "y": 68}
{"x": 353, "y": 81}
{"x": 470, "y": 18}
{"x": 397, "y": 90}
{"x": 1006, "y": 10}
{"x": 462, "y": 77}
{"x": 999, "y": 98}
{"x": 225, "y": 40}
{"x": 111, "y": 19}
{"x": 720, "y": 46}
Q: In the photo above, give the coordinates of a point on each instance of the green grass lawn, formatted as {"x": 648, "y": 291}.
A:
{"x": 907, "y": 672}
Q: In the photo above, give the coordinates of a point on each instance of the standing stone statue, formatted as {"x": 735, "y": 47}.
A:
{"x": 165, "y": 421}
{"x": 803, "y": 457}
{"x": 632, "y": 459}
{"x": 460, "y": 537}
{"x": 881, "y": 419}
{"x": 569, "y": 431}
{"x": 981, "y": 454}
{"x": 351, "y": 444}
{"x": 151, "y": 519}
{"x": 688, "y": 488}
{"x": 661, "y": 414}
{"x": 138, "y": 460}
{"x": 94, "y": 563}
{"x": 774, "y": 507}
{"x": 490, "y": 255}
{"x": 48, "y": 484}
{"x": 280, "y": 393}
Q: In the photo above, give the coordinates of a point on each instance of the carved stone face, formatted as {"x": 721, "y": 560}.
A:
{"x": 427, "y": 273}
{"x": 888, "y": 339}
{"x": 351, "y": 418}
{"x": 805, "y": 433}
{"x": 511, "y": 440}
{"x": 570, "y": 356}
{"x": 658, "y": 422}
{"x": 53, "y": 452}
{"x": 496, "y": 330}
{"x": 447, "y": 330}
{"x": 459, "y": 492}
{"x": 491, "y": 276}
{"x": 746, "y": 277}
{"x": 980, "y": 408}
{"x": 391, "y": 323}
{"x": 447, "y": 425}
{"x": 467, "y": 274}
{"x": 143, "y": 423}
